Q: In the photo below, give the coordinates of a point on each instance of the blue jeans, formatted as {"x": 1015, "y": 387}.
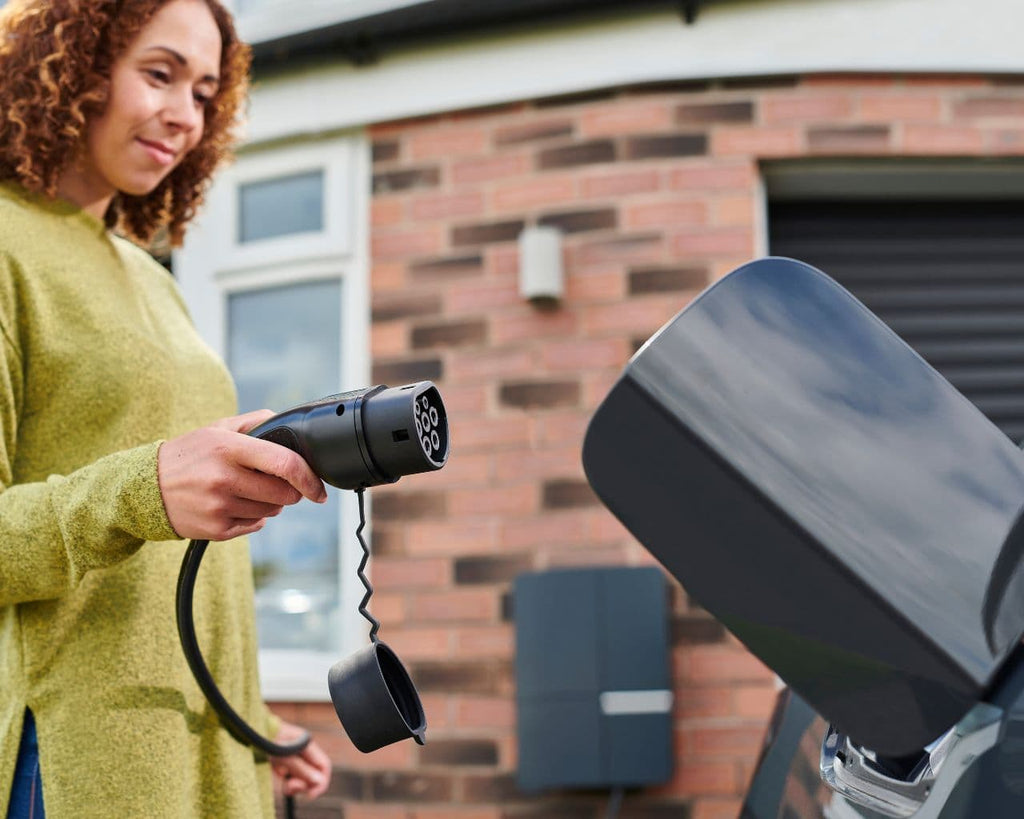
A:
{"x": 27, "y": 790}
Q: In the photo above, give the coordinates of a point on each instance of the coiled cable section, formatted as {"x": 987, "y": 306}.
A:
{"x": 373, "y": 621}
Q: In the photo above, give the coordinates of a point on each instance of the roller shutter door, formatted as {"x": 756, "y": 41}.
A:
{"x": 947, "y": 276}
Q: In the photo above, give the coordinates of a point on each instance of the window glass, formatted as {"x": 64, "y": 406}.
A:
{"x": 279, "y": 207}
{"x": 284, "y": 348}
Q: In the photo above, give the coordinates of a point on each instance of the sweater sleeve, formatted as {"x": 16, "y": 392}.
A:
{"x": 52, "y": 532}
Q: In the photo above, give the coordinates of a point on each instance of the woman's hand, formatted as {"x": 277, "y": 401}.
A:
{"x": 218, "y": 483}
{"x": 307, "y": 772}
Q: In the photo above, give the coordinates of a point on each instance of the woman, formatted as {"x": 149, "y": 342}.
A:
{"x": 115, "y": 113}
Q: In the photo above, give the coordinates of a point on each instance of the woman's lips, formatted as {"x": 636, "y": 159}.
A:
{"x": 158, "y": 152}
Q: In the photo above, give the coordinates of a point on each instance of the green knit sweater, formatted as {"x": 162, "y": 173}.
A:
{"x": 100, "y": 362}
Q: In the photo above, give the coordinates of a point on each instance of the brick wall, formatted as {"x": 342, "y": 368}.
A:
{"x": 657, "y": 192}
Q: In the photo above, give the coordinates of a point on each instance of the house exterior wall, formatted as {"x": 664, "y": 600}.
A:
{"x": 658, "y": 192}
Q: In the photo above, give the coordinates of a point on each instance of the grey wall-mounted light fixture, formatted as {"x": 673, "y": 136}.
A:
{"x": 541, "y": 276}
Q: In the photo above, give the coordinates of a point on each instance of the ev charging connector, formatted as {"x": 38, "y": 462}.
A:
{"x": 352, "y": 440}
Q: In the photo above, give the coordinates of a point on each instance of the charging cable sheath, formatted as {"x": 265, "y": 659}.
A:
{"x": 230, "y": 719}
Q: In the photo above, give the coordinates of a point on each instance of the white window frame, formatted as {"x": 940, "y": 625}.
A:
{"x": 213, "y": 265}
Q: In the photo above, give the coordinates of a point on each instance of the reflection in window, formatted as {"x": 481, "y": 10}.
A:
{"x": 284, "y": 348}
{"x": 279, "y": 207}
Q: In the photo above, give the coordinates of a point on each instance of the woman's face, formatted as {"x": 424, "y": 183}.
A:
{"x": 155, "y": 109}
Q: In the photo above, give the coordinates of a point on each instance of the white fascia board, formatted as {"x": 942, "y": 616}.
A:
{"x": 739, "y": 39}
{"x": 273, "y": 19}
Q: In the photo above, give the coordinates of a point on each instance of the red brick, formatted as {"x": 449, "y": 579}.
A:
{"x": 437, "y": 710}
{"x": 492, "y": 434}
{"x": 361, "y": 810}
{"x": 899, "y": 107}
{"x": 942, "y": 139}
{"x": 476, "y": 366}
{"x": 716, "y": 664}
{"x": 945, "y": 81}
{"x": 584, "y": 354}
{"x": 386, "y": 277}
{"x": 400, "y": 127}
{"x": 589, "y": 557}
{"x": 849, "y": 139}
{"x": 766, "y": 141}
{"x": 552, "y": 530}
{"x": 389, "y": 339}
{"x": 620, "y": 183}
{"x": 456, "y": 812}
{"x": 485, "y": 641}
{"x": 745, "y": 740}
{"x": 445, "y": 141}
{"x": 434, "y": 206}
{"x": 626, "y": 118}
{"x": 628, "y": 249}
{"x": 694, "y": 777}
{"x": 524, "y": 131}
{"x": 418, "y": 643}
{"x": 716, "y": 809}
{"x": 384, "y": 212}
{"x": 476, "y": 298}
{"x": 605, "y": 528}
{"x": 404, "y": 243}
{"x": 554, "y": 462}
{"x": 532, "y": 324}
{"x": 602, "y": 286}
{"x": 803, "y": 107}
{"x": 755, "y": 702}
{"x": 534, "y": 192}
{"x": 406, "y": 573}
{"x": 450, "y": 538}
{"x": 388, "y": 607}
{"x": 720, "y": 176}
{"x": 462, "y": 402}
{"x": 485, "y": 712}
{"x": 454, "y": 606}
{"x": 635, "y": 317}
{"x": 703, "y": 702}
{"x": 462, "y": 469}
{"x": 561, "y": 427}
{"x": 666, "y": 214}
{"x": 990, "y": 107}
{"x": 734, "y": 210}
{"x": 729, "y": 241}
{"x": 850, "y": 81}
{"x": 501, "y": 502}
{"x": 475, "y": 171}
{"x": 397, "y": 756}
{"x": 502, "y": 262}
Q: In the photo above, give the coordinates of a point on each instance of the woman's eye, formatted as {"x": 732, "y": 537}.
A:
{"x": 158, "y": 74}
{"x": 202, "y": 100}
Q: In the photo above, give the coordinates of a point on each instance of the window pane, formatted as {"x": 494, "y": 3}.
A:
{"x": 284, "y": 347}
{"x": 277, "y": 207}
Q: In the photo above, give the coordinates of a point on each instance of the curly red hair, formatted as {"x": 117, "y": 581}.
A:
{"x": 55, "y": 64}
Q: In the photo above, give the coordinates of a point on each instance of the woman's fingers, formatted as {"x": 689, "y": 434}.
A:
{"x": 308, "y": 772}
{"x": 217, "y": 482}
{"x": 274, "y": 459}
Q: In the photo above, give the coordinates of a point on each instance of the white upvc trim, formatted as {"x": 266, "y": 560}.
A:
{"x": 209, "y": 269}
{"x": 742, "y": 38}
{"x": 272, "y": 19}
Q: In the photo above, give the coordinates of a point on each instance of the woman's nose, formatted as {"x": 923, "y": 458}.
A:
{"x": 182, "y": 111}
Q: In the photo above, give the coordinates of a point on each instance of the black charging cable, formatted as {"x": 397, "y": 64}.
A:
{"x": 349, "y": 447}
{"x": 232, "y": 721}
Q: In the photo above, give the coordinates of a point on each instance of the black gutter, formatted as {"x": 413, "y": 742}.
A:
{"x": 364, "y": 40}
